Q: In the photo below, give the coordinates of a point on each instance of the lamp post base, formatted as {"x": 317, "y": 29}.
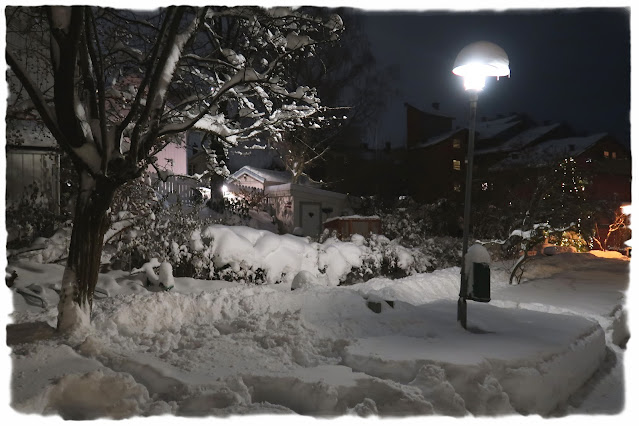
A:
{"x": 461, "y": 312}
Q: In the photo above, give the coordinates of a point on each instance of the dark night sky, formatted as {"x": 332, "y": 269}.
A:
{"x": 566, "y": 65}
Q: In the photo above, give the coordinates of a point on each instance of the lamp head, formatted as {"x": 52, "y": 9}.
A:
{"x": 479, "y": 60}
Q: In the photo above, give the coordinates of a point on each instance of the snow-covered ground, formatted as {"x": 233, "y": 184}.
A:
{"x": 546, "y": 346}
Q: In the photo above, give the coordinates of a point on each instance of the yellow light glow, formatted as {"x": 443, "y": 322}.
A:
{"x": 626, "y": 209}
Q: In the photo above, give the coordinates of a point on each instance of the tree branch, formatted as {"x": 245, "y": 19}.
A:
{"x": 46, "y": 113}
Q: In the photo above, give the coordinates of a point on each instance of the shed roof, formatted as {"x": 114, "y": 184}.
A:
{"x": 296, "y": 189}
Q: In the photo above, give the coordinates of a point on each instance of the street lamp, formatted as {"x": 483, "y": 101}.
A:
{"x": 474, "y": 63}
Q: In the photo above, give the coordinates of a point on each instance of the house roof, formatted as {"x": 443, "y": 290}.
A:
{"x": 296, "y": 189}
{"x": 549, "y": 151}
{"x": 29, "y": 134}
{"x": 490, "y": 129}
{"x": 438, "y": 139}
{"x": 262, "y": 175}
{"x": 430, "y": 110}
{"x": 521, "y": 140}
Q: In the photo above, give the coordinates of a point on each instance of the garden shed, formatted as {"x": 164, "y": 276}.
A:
{"x": 304, "y": 207}
{"x": 33, "y": 160}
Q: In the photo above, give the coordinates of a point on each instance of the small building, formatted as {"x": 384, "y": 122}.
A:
{"x": 303, "y": 207}
{"x": 33, "y": 161}
{"x": 296, "y": 206}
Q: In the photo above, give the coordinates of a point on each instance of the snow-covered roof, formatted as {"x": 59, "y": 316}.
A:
{"x": 521, "y": 140}
{"x": 490, "y": 129}
{"x": 297, "y": 188}
{"x": 437, "y": 139}
{"x": 29, "y": 134}
{"x": 262, "y": 175}
{"x": 549, "y": 151}
{"x": 430, "y": 109}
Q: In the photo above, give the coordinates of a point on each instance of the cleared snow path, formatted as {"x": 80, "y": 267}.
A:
{"x": 216, "y": 348}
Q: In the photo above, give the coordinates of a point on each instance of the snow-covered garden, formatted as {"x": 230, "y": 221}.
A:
{"x": 124, "y": 302}
{"x": 300, "y": 343}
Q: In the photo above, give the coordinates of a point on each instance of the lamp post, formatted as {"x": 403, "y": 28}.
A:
{"x": 474, "y": 63}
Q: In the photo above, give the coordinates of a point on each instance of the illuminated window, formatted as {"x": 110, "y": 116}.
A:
{"x": 456, "y": 165}
{"x": 457, "y": 187}
{"x": 456, "y": 143}
{"x": 484, "y": 186}
{"x": 614, "y": 155}
{"x": 606, "y": 154}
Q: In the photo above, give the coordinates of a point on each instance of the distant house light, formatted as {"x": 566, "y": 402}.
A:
{"x": 456, "y": 165}
{"x": 606, "y": 154}
{"x": 588, "y": 160}
{"x": 457, "y": 187}
{"x": 456, "y": 143}
{"x": 484, "y": 186}
{"x": 614, "y": 155}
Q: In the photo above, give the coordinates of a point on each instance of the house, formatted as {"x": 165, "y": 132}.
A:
{"x": 33, "y": 160}
{"x": 298, "y": 207}
{"x": 422, "y": 125}
{"x": 436, "y": 166}
{"x": 605, "y": 162}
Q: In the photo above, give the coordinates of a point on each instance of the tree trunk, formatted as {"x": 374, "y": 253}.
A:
{"x": 83, "y": 264}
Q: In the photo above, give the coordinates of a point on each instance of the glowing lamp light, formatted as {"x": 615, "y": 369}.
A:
{"x": 626, "y": 209}
{"x": 479, "y": 60}
{"x": 225, "y": 189}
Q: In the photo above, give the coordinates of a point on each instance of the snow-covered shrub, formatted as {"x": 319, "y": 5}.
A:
{"x": 164, "y": 233}
{"x": 30, "y": 218}
{"x": 384, "y": 257}
{"x": 431, "y": 231}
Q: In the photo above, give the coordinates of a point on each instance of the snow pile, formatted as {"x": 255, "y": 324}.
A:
{"x": 281, "y": 257}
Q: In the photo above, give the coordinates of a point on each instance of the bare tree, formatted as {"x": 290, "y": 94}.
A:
{"x": 125, "y": 83}
{"x": 620, "y": 222}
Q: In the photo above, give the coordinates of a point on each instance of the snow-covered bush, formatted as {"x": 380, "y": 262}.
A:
{"x": 384, "y": 257}
{"x": 162, "y": 233}
{"x": 430, "y": 230}
{"x": 30, "y": 218}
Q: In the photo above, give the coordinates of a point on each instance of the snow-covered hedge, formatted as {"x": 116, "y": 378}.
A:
{"x": 259, "y": 256}
{"x": 241, "y": 253}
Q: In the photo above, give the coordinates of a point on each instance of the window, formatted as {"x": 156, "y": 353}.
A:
{"x": 614, "y": 155}
{"x": 457, "y": 187}
{"x": 456, "y": 165}
{"x": 606, "y": 154}
{"x": 456, "y": 143}
{"x": 484, "y": 186}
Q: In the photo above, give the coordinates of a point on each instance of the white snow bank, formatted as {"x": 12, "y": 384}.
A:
{"x": 281, "y": 257}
